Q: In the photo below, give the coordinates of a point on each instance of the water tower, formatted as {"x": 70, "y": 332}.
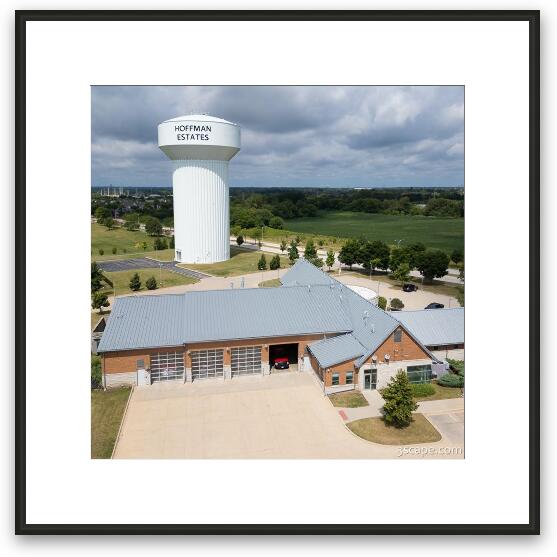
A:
{"x": 200, "y": 147}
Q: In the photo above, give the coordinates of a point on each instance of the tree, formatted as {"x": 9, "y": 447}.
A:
{"x": 101, "y": 213}
{"x": 457, "y": 256}
{"x": 171, "y": 242}
{"x": 151, "y": 283}
{"x": 282, "y": 245}
{"x": 101, "y": 252}
{"x": 461, "y": 271}
{"x": 131, "y": 225}
{"x": 374, "y": 255}
{"x": 276, "y": 222}
{"x": 398, "y": 257}
{"x": 108, "y": 222}
{"x": 348, "y": 254}
{"x": 402, "y": 273}
{"x": 413, "y": 251}
{"x": 239, "y": 240}
{"x": 432, "y": 263}
{"x": 382, "y": 302}
{"x": 396, "y": 304}
{"x": 114, "y": 250}
{"x": 262, "y": 263}
{"x": 275, "y": 262}
{"x": 99, "y": 300}
{"x": 310, "y": 252}
{"x": 399, "y": 401}
{"x": 257, "y": 234}
{"x": 144, "y": 245}
{"x": 97, "y": 278}
{"x": 153, "y": 226}
{"x": 293, "y": 252}
{"x": 135, "y": 282}
{"x": 330, "y": 261}
{"x": 160, "y": 244}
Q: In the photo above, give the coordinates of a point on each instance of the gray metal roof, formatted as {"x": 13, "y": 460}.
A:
{"x": 434, "y": 327}
{"x": 335, "y": 350}
{"x": 304, "y": 272}
{"x": 199, "y": 316}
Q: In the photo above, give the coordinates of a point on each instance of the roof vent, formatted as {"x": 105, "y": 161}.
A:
{"x": 309, "y": 287}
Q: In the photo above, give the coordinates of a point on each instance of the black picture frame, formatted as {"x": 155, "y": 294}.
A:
{"x": 533, "y": 19}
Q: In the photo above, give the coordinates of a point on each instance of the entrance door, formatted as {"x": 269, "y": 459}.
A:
{"x": 370, "y": 379}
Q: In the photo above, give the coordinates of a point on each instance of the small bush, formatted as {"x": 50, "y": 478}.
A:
{"x": 275, "y": 262}
{"x": 382, "y": 302}
{"x": 396, "y": 304}
{"x": 96, "y": 373}
{"x": 457, "y": 366}
{"x": 425, "y": 389}
{"x": 451, "y": 380}
{"x": 114, "y": 251}
{"x": 101, "y": 252}
{"x": 151, "y": 283}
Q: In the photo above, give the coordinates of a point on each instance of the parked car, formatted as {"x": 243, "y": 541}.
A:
{"x": 435, "y": 305}
{"x": 281, "y": 363}
{"x": 409, "y": 287}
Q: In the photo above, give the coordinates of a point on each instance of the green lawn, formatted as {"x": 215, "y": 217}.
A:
{"x": 241, "y": 261}
{"x": 435, "y": 232}
{"x": 376, "y": 430}
{"x": 122, "y": 239}
{"x": 272, "y": 283}
{"x": 121, "y": 280}
{"x": 441, "y": 393}
{"x": 107, "y": 410}
{"x": 350, "y": 399}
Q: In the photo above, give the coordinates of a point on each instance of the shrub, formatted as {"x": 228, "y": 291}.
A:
{"x": 240, "y": 240}
{"x": 396, "y": 304}
{"x": 423, "y": 389}
{"x": 151, "y": 283}
{"x": 457, "y": 366}
{"x": 382, "y": 302}
{"x": 276, "y": 222}
{"x": 114, "y": 251}
{"x": 96, "y": 373}
{"x": 451, "y": 380}
{"x": 101, "y": 252}
{"x": 262, "y": 263}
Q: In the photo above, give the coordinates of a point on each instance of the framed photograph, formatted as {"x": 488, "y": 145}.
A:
{"x": 277, "y": 209}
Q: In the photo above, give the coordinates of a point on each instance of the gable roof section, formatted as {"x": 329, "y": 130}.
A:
{"x": 303, "y": 273}
{"x": 202, "y": 316}
{"x": 336, "y": 350}
{"x": 435, "y": 326}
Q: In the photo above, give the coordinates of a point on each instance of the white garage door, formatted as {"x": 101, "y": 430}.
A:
{"x": 207, "y": 363}
{"x": 245, "y": 360}
{"x": 167, "y": 366}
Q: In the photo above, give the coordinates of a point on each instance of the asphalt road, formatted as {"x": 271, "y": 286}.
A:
{"x": 145, "y": 263}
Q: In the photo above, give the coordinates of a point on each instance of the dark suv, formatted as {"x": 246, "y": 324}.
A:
{"x": 409, "y": 287}
{"x": 435, "y": 305}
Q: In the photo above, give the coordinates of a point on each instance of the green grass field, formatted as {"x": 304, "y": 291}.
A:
{"x": 121, "y": 280}
{"x": 241, "y": 261}
{"x": 442, "y": 233}
{"x": 107, "y": 410}
{"x": 122, "y": 239}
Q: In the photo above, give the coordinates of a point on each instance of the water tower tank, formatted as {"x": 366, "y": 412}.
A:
{"x": 200, "y": 147}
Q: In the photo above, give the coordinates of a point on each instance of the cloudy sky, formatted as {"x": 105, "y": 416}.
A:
{"x": 291, "y": 136}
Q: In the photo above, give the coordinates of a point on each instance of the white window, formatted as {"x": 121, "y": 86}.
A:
{"x": 207, "y": 363}
{"x": 167, "y": 366}
{"x": 245, "y": 360}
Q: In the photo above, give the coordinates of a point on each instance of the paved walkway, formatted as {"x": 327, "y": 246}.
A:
{"x": 277, "y": 416}
{"x": 148, "y": 263}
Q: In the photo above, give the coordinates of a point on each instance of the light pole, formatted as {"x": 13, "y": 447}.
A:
{"x": 160, "y": 274}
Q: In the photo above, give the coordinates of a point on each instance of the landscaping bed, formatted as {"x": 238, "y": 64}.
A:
{"x": 376, "y": 430}
{"x": 107, "y": 410}
{"x": 272, "y": 283}
{"x": 439, "y": 392}
{"x": 350, "y": 399}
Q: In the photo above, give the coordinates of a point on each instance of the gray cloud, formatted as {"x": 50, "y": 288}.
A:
{"x": 291, "y": 136}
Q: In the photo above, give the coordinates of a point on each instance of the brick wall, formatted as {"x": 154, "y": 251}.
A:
{"x": 407, "y": 349}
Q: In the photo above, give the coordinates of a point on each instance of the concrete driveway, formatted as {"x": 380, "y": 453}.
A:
{"x": 279, "y": 416}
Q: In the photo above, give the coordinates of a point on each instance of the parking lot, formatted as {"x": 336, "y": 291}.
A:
{"x": 284, "y": 415}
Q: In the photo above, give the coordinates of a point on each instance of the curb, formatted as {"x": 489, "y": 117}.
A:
{"x": 122, "y": 422}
